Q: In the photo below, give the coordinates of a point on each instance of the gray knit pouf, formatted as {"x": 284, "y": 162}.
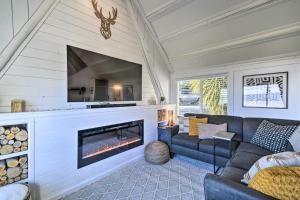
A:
{"x": 157, "y": 153}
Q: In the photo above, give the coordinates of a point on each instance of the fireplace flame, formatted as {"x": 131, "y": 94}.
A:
{"x": 111, "y": 147}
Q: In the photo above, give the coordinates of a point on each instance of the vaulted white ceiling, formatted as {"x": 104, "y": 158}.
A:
{"x": 201, "y": 33}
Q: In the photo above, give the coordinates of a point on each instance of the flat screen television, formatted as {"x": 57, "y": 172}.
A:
{"x": 94, "y": 77}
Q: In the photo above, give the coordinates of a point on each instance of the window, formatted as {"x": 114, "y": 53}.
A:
{"x": 207, "y": 96}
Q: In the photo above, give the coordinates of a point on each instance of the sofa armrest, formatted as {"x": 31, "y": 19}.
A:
{"x": 219, "y": 188}
{"x": 238, "y": 138}
{"x": 165, "y": 134}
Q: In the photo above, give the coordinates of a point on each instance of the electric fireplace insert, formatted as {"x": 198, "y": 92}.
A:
{"x": 98, "y": 143}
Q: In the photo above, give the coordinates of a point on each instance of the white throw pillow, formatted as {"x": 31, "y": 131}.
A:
{"x": 295, "y": 139}
{"x": 207, "y": 131}
{"x": 184, "y": 124}
{"x": 286, "y": 159}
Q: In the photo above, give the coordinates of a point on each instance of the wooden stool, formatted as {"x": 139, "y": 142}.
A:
{"x": 157, "y": 153}
{"x": 15, "y": 192}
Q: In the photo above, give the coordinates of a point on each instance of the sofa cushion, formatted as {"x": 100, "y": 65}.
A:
{"x": 250, "y": 125}
{"x": 252, "y": 148}
{"x": 193, "y": 125}
{"x": 186, "y": 141}
{"x": 207, "y": 131}
{"x": 287, "y": 159}
{"x": 184, "y": 124}
{"x": 222, "y": 147}
{"x": 234, "y": 124}
{"x": 233, "y": 173}
{"x": 294, "y": 140}
{"x": 272, "y": 136}
{"x": 243, "y": 160}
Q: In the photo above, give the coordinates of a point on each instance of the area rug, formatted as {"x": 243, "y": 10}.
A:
{"x": 181, "y": 178}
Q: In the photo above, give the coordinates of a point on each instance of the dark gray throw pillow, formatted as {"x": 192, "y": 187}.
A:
{"x": 272, "y": 136}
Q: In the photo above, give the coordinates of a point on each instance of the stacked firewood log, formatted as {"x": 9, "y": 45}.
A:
{"x": 13, "y": 140}
{"x": 13, "y": 170}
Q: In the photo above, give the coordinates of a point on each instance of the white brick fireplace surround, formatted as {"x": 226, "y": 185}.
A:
{"x": 55, "y": 139}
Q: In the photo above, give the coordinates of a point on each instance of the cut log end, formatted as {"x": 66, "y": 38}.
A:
{"x": 3, "y": 172}
{"x": 6, "y": 149}
{"x": 24, "y": 176}
{"x": 7, "y": 131}
{"x": 16, "y": 150}
{"x": 10, "y": 136}
{"x": 17, "y": 144}
{"x": 23, "y": 160}
{"x": 21, "y": 136}
{"x": 24, "y": 148}
{"x": 18, "y": 178}
{"x": 14, "y": 172}
{"x": 2, "y": 130}
{"x": 12, "y": 162}
{"x": 14, "y": 130}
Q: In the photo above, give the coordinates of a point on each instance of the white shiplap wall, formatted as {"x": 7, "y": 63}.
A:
{"x": 39, "y": 74}
{"x": 158, "y": 62}
{"x": 14, "y": 14}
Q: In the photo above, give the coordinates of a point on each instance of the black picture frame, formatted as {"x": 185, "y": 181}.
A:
{"x": 284, "y": 88}
{"x": 128, "y": 94}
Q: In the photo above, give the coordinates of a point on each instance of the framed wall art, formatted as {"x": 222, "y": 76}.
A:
{"x": 266, "y": 90}
{"x": 128, "y": 93}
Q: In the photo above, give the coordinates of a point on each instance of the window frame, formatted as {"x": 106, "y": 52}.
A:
{"x": 201, "y": 79}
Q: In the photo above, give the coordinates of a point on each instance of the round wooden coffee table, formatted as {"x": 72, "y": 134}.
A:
{"x": 157, "y": 153}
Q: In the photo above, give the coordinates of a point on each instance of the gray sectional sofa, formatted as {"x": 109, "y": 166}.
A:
{"x": 226, "y": 186}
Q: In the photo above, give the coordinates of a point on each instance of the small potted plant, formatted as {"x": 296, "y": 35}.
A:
{"x": 162, "y": 100}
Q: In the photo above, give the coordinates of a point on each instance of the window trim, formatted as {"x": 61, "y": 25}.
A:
{"x": 202, "y": 78}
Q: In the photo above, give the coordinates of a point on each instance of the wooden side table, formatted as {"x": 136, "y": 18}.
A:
{"x": 224, "y": 136}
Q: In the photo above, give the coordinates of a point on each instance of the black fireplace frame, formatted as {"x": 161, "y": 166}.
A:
{"x": 82, "y": 162}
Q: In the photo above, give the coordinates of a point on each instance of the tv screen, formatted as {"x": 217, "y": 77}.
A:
{"x": 96, "y": 77}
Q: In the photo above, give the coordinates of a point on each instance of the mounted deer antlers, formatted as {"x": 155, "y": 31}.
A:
{"x": 105, "y": 22}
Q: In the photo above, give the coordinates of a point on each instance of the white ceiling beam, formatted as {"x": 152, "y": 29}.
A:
{"x": 268, "y": 35}
{"x": 154, "y": 36}
{"x": 166, "y": 9}
{"x": 24, "y": 36}
{"x": 136, "y": 14}
{"x": 229, "y": 13}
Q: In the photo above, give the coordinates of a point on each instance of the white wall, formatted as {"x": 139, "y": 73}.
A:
{"x": 293, "y": 93}
{"x": 5, "y": 23}
{"x": 39, "y": 74}
{"x": 235, "y": 74}
{"x": 154, "y": 55}
{"x": 14, "y": 14}
{"x": 56, "y": 140}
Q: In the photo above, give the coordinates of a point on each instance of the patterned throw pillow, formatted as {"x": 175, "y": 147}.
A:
{"x": 286, "y": 159}
{"x": 272, "y": 136}
{"x": 194, "y": 125}
{"x": 207, "y": 131}
{"x": 278, "y": 182}
{"x": 295, "y": 139}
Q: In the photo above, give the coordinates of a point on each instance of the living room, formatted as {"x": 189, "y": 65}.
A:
{"x": 140, "y": 99}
